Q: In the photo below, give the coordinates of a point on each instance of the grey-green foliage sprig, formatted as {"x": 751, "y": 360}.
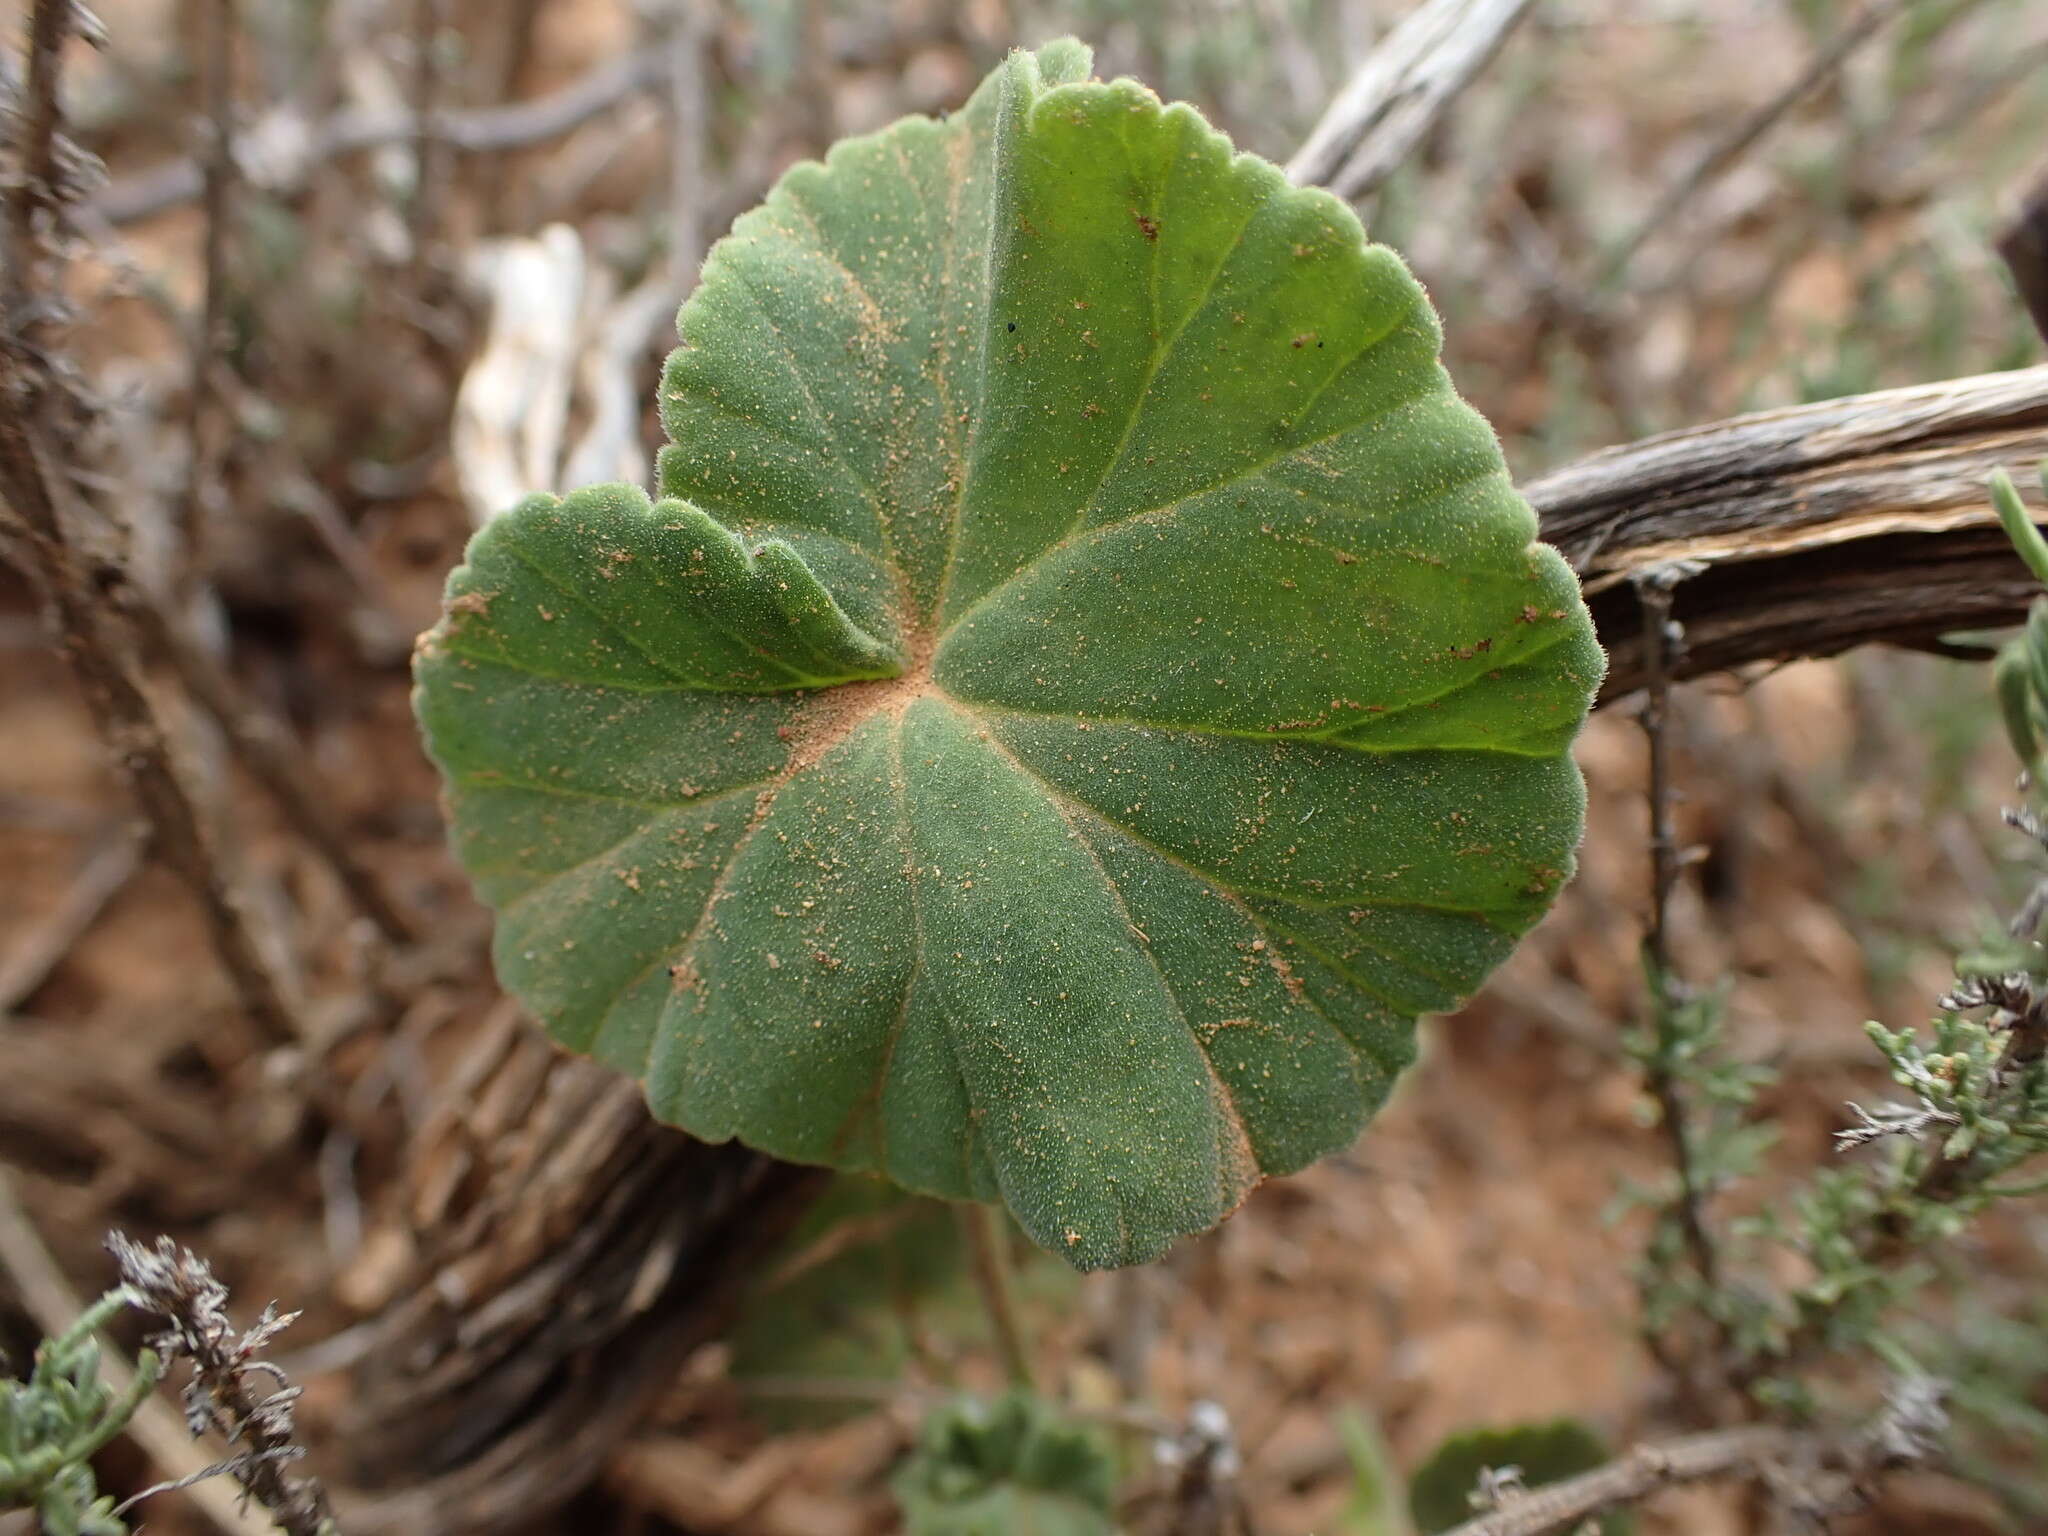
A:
{"x": 1972, "y": 1114}
{"x": 1975, "y": 1080}
{"x": 56, "y": 1421}
{"x": 1978, "y": 1110}
{"x": 1684, "y": 1041}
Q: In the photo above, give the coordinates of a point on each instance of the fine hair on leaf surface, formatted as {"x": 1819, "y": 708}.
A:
{"x": 1084, "y": 686}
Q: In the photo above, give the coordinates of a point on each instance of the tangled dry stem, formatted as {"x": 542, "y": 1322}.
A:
{"x": 233, "y": 1392}
{"x": 1811, "y": 1474}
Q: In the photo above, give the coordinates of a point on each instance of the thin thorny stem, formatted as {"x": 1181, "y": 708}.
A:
{"x": 1814, "y": 1475}
{"x": 1673, "y": 1112}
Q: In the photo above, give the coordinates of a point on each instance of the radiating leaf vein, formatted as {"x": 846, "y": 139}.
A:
{"x": 555, "y": 877}
{"x": 1166, "y": 509}
{"x": 825, "y": 428}
{"x": 1161, "y": 351}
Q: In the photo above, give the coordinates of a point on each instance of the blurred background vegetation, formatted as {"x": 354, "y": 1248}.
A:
{"x": 306, "y": 487}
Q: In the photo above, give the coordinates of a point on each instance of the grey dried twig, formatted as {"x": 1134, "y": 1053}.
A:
{"x": 234, "y": 1392}
{"x": 1400, "y": 91}
{"x": 1816, "y": 1474}
{"x": 1909, "y": 1121}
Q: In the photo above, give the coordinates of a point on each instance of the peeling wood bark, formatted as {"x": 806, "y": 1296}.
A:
{"x": 1816, "y": 529}
{"x": 573, "y": 1253}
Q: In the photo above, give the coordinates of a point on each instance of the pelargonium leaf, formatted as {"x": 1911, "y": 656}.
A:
{"x": 1086, "y": 686}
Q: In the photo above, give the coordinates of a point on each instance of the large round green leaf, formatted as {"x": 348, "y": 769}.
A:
{"x": 1087, "y": 686}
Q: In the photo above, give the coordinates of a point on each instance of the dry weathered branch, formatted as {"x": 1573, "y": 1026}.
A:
{"x": 1400, "y": 91}
{"x": 1816, "y": 529}
{"x": 573, "y": 1253}
{"x": 1644, "y": 1470}
{"x": 1815, "y": 1474}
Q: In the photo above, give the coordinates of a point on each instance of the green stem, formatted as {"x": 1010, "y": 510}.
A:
{"x": 992, "y": 1276}
{"x": 2019, "y": 527}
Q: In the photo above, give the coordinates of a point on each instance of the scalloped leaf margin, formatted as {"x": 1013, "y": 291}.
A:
{"x": 1087, "y": 685}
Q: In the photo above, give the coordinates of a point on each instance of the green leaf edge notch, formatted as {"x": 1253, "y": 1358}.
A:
{"x": 1087, "y": 686}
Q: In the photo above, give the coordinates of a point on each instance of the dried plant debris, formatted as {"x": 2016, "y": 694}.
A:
{"x": 233, "y": 1391}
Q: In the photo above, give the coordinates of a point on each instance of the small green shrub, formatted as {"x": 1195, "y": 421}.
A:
{"x": 56, "y": 1421}
{"x": 1010, "y": 1468}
